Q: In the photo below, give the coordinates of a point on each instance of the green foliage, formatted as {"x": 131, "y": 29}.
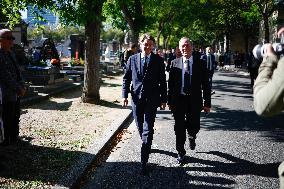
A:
{"x": 57, "y": 34}
{"x": 76, "y": 62}
{"x": 78, "y": 12}
{"x": 113, "y": 15}
{"x": 110, "y": 34}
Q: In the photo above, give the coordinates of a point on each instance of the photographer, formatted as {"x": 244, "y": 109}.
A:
{"x": 269, "y": 89}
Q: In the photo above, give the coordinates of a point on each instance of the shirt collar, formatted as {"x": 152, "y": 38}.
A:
{"x": 143, "y": 55}
{"x": 190, "y": 59}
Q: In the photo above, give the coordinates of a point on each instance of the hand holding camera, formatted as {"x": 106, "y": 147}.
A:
{"x": 260, "y": 50}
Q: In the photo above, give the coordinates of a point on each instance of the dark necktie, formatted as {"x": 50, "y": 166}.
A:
{"x": 145, "y": 65}
{"x": 186, "y": 79}
{"x": 209, "y": 63}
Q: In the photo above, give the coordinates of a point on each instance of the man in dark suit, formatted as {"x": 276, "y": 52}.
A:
{"x": 146, "y": 72}
{"x": 211, "y": 64}
{"x": 12, "y": 85}
{"x": 188, "y": 77}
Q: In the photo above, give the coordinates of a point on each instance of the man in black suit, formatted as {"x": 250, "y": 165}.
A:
{"x": 188, "y": 77}
{"x": 146, "y": 72}
{"x": 211, "y": 64}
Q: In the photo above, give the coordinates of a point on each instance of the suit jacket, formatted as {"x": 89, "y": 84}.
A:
{"x": 151, "y": 85}
{"x": 214, "y": 63}
{"x": 11, "y": 79}
{"x": 199, "y": 82}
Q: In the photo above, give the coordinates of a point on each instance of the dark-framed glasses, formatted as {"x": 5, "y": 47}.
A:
{"x": 8, "y": 38}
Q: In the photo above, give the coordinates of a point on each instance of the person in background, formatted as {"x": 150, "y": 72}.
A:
{"x": 176, "y": 55}
{"x": 145, "y": 72}
{"x": 268, "y": 90}
{"x": 211, "y": 64}
{"x": 1, "y": 120}
{"x": 188, "y": 86}
{"x": 12, "y": 85}
{"x": 253, "y": 65}
{"x": 130, "y": 51}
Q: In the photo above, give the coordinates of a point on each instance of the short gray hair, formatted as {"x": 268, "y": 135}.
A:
{"x": 184, "y": 38}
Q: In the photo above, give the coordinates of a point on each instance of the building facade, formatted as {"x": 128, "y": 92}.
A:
{"x": 50, "y": 18}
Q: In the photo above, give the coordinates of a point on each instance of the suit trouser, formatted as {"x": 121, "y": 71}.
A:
{"x": 11, "y": 115}
{"x": 281, "y": 175}
{"x": 187, "y": 118}
{"x": 210, "y": 77}
{"x": 144, "y": 113}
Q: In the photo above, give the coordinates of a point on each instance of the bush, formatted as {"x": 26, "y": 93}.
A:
{"x": 76, "y": 62}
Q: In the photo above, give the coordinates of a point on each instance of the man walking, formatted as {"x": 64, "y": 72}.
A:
{"x": 146, "y": 72}
{"x": 209, "y": 58}
{"x": 187, "y": 78}
{"x": 12, "y": 85}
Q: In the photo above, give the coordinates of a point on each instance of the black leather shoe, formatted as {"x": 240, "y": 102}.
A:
{"x": 5, "y": 143}
{"x": 192, "y": 143}
{"x": 180, "y": 159}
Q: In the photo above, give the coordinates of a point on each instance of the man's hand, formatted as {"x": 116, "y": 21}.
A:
{"x": 163, "y": 106}
{"x": 281, "y": 31}
{"x": 269, "y": 50}
{"x": 125, "y": 102}
{"x": 206, "y": 109}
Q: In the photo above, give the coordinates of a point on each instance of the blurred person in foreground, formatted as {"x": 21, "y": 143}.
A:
{"x": 188, "y": 95}
{"x": 12, "y": 85}
{"x": 145, "y": 72}
{"x": 269, "y": 89}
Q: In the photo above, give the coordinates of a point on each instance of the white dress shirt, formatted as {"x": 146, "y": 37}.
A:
{"x": 185, "y": 68}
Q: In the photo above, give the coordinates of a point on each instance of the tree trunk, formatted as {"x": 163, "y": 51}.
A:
{"x": 266, "y": 28}
{"x": 91, "y": 72}
{"x": 167, "y": 42}
{"x": 160, "y": 28}
{"x": 134, "y": 35}
{"x": 133, "y": 20}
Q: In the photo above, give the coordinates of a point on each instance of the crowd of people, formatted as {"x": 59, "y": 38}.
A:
{"x": 187, "y": 92}
{"x": 189, "y": 89}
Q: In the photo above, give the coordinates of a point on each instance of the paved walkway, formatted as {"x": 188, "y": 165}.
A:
{"x": 235, "y": 148}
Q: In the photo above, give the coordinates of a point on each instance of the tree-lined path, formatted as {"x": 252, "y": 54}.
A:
{"x": 235, "y": 148}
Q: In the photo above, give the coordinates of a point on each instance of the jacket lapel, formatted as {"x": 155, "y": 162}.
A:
{"x": 139, "y": 66}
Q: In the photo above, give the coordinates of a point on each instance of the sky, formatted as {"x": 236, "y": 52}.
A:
{"x": 24, "y": 14}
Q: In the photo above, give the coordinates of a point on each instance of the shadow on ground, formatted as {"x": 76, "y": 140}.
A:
{"x": 29, "y": 164}
{"x": 236, "y": 120}
{"x": 126, "y": 174}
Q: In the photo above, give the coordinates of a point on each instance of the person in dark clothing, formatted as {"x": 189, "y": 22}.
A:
{"x": 188, "y": 94}
{"x": 145, "y": 80}
{"x": 211, "y": 64}
{"x": 1, "y": 120}
{"x": 12, "y": 85}
{"x": 253, "y": 65}
{"x": 171, "y": 58}
{"x": 127, "y": 53}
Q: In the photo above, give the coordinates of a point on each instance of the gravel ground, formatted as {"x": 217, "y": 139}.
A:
{"x": 54, "y": 133}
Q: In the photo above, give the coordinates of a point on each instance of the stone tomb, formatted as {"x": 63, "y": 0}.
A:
{"x": 43, "y": 75}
